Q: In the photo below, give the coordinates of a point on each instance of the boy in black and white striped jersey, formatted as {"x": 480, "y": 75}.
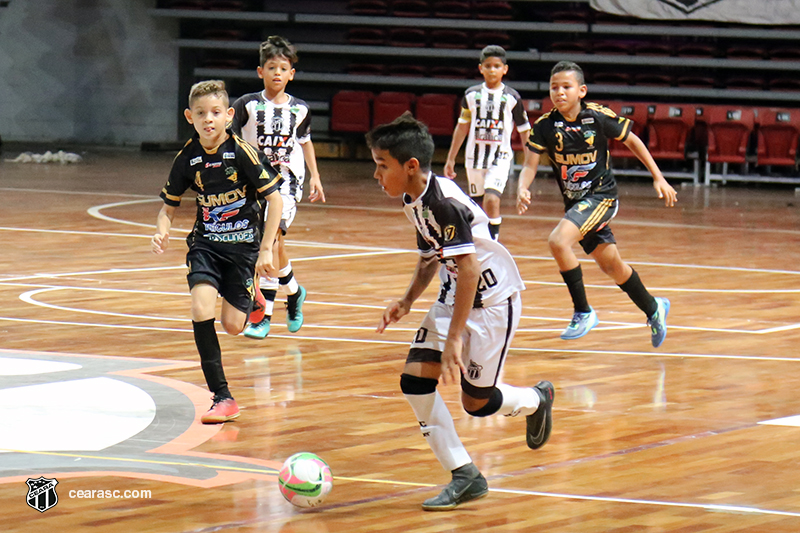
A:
{"x": 279, "y": 126}
{"x": 489, "y": 112}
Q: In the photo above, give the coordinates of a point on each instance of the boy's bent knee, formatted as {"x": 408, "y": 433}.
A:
{"x": 483, "y": 406}
{"x": 232, "y": 327}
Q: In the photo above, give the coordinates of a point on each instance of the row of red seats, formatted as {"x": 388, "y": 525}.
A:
{"x": 360, "y": 111}
{"x": 481, "y": 9}
{"x": 689, "y": 49}
{"x": 724, "y": 131}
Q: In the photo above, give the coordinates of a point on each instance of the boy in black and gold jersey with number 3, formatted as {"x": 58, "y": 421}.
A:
{"x": 226, "y": 247}
{"x": 575, "y": 136}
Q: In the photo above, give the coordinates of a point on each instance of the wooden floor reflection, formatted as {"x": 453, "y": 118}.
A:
{"x": 669, "y": 439}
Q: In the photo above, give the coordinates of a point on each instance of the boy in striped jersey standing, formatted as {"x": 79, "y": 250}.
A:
{"x": 279, "y": 126}
{"x": 575, "y": 135}
{"x": 489, "y": 111}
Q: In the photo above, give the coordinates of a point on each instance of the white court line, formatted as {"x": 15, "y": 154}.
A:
{"x": 660, "y": 354}
{"x": 673, "y": 289}
{"x": 705, "y": 506}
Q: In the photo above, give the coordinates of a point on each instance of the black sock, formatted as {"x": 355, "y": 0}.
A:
{"x": 574, "y": 280}
{"x": 494, "y": 230}
{"x": 269, "y": 296}
{"x": 638, "y": 293}
{"x": 205, "y": 337}
{"x": 292, "y": 298}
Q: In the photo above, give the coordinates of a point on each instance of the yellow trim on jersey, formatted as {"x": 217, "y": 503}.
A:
{"x": 270, "y": 184}
{"x": 596, "y": 216}
{"x": 601, "y": 109}
{"x": 543, "y": 117}
{"x": 625, "y": 129}
{"x": 248, "y": 149}
{"x": 182, "y": 149}
{"x": 170, "y": 196}
{"x": 536, "y": 145}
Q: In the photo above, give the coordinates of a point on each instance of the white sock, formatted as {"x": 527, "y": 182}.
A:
{"x": 517, "y": 400}
{"x": 290, "y": 286}
{"x": 268, "y": 284}
{"x": 438, "y": 429}
{"x": 496, "y": 221}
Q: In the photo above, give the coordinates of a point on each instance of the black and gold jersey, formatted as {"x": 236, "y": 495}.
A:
{"x": 230, "y": 184}
{"x": 578, "y": 150}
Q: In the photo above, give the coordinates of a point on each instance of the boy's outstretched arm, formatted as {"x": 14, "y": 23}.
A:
{"x": 467, "y": 285}
{"x": 423, "y": 274}
{"x": 664, "y": 189}
{"x": 315, "y": 191}
{"x": 265, "y": 265}
{"x": 459, "y": 134}
{"x": 160, "y": 240}
{"x": 526, "y": 177}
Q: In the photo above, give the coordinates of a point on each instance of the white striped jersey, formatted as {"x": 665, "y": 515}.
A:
{"x": 492, "y": 115}
{"x": 277, "y": 130}
{"x": 449, "y": 223}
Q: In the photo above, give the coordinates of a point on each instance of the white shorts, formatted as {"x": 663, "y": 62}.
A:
{"x": 493, "y": 178}
{"x": 289, "y": 211}
{"x": 487, "y": 337}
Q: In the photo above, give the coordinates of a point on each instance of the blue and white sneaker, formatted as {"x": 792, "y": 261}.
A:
{"x": 294, "y": 310}
{"x": 658, "y": 322}
{"x": 259, "y": 330}
{"x": 581, "y": 324}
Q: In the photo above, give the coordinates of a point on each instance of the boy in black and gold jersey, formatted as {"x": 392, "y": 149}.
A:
{"x": 575, "y": 136}
{"x": 226, "y": 247}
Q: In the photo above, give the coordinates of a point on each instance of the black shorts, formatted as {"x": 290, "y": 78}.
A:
{"x": 230, "y": 273}
{"x": 592, "y": 215}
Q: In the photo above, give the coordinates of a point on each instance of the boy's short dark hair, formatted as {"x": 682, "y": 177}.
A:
{"x": 493, "y": 51}
{"x": 405, "y": 137}
{"x": 566, "y": 66}
{"x": 204, "y": 88}
{"x": 276, "y": 46}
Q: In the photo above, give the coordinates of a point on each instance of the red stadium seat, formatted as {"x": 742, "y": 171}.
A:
{"x": 390, "y": 105}
{"x": 410, "y": 8}
{"x": 668, "y": 129}
{"x": 729, "y": 129}
{"x": 493, "y": 10}
{"x": 778, "y": 131}
{"x": 451, "y": 9}
{"x": 350, "y": 111}
{"x": 408, "y": 37}
{"x": 411, "y": 71}
{"x": 449, "y": 39}
{"x": 438, "y": 112}
{"x": 482, "y": 39}
{"x": 637, "y": 112}
{"x": 366, "y": 36}
{"x": 367, "y": 7}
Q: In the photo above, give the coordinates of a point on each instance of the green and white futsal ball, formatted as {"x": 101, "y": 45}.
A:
{"x": 305, "y": 480}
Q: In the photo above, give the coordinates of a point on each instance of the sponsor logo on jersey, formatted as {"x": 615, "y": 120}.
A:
{"x": 223, "y": 198}
{"x": 231, "y": 238}
{"x": 588, "y": 136}
{"x": 572, "y": 128}
{"x": 223, "y": 212}
{"x": 228, "y": 155}
{"x": 274, "y": 141}
{"x": 576, "y": 159}
{"x": 583, "y": 205}
{"x": 225, "y": 227}
{"x": 214, "y": 164}
{"x": 576, "y": 173}
{"x": 588, "y": 120}
{"x": 489, "y": 123}
{"x": 194, "y": 161}
{"x": 449, "y": 232}
{"x": 232, "y": 174}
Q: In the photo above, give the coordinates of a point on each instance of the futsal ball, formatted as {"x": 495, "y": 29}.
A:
{"x": 305, "y": 480}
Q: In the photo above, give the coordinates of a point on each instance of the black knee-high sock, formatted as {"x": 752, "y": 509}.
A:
{"x": 638, "y": 293}
{"x": 574, "y": 280}
{"x": 205, "y": 337}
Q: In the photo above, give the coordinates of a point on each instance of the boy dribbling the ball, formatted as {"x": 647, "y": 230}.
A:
{"x": 225, "y": 246}
{"x": 466, "y": 335}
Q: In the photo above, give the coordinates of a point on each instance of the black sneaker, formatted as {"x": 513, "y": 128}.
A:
{"x": 540, "y": 423}
{"x": 468, "y": 484}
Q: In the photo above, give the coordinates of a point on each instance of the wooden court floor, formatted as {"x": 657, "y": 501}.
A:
{"x": 101, "y": 386}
